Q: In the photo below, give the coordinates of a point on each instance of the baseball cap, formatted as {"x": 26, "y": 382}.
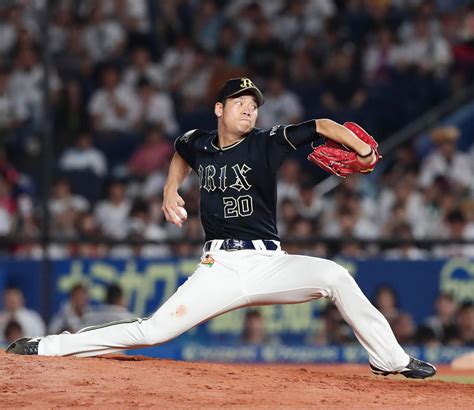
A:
{"x": 238, "y": 86}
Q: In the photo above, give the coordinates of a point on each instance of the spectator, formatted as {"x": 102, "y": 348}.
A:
{"x": 87, "y": 228}
{"x": 288, "y": 183}
{"x": 9, "y": 28}
{"x": 71, "y": 317}
{"x": 112, "y": 213}
{"x": 288, "y": 215}
{"x": 142, "y": 226}
{"x": 405, "y": 164}
{"x": 386, "y": 301}
{"x": 247, "y": 17}
{"x": 351, "y": 249}
{"x": 14, "y": 309}
{"x": 221, "y": 70}
{"x": 156, "y": 108}
{"x": 401, "y": 197}
{"x": 301, "y": 18}
{"x": 207, "y": 24}
{"x": 193, "y": 231}
{"x": 302, "y": 229}
{"x": 350, "y": 223}
{"x": 404, "y": 329}
{"x": 344, "y": 94}
{"x": 456, "y": 228}
{"x": 83, "y": 157}
{"x": 7, "y": 207}
{"x": 403, "y": 231}
{"x": 335, "y": 330}
{"x": 104, "y": 38}
{"x": 114, "y": 111}
{"x": 113, "y": 309}
{"x": 466, "y": 324}
{"x": 232, "y": 46}
{"x": 264, "y": 53}
{"x": 65, "y": 207}
{"x": 446, "y": 160}
{"x": 427, "y": 50}
{"x": 142, "y": 68}
{"x": 254, "y": 328}
{"x": 154, "y": 154}
{"x": 177, "y": 57}
{"x": 425, "y": 336}
{"x": 427, "y": 218}
{"x": 195, "y": 81}
{"x": 381, "y": 56}
{"x": 73, "y": 61}
{"x": 444, "y": 320}
{"x": 135, "y": 18}
{"x": 26, "y": 82}
{"x": 13, "y": 108}
{"x": 62, "y": 20}
{"x": 113, "y": 107}
{"x": 71, "y": 115}
{"x": 281, "y": 105}
{"x": 309, "y": 203}
{"x": 12, "y": 332}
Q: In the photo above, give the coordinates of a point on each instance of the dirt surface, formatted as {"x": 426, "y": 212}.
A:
{"x": 118, "y": 381}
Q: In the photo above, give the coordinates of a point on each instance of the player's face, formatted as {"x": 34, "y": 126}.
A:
{"x": 238, "y": 114}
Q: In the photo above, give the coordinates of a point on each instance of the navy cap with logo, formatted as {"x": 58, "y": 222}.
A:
{"x": 240, "y": 86}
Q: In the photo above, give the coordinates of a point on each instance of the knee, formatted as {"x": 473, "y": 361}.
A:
{"x": 154, "y": 331}
{"x": 339, "y": 276}
{"x": 154, "y": 338}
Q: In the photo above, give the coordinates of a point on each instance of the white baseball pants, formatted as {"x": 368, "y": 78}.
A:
{"x": 237, "y": 279}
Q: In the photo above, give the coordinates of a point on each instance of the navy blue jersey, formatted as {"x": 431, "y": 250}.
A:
{"x": 238, "y": 182}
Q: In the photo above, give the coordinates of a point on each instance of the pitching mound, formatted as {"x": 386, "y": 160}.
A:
{"x": 129, "y": 381}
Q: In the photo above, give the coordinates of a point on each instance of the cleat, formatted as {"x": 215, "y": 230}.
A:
{"x": 415, "y": 369}
{"x": 24, "y": 346}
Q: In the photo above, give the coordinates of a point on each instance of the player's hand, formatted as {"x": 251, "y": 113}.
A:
{"x": 368, "y": 160}
{"x": 173, "y": 207}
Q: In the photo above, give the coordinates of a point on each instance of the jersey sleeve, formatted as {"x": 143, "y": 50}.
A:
{"x": 185, "y": 146}
{"x": 283, "y": 139}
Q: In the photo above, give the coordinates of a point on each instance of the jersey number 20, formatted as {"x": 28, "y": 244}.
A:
{"x": 235, "y": 207}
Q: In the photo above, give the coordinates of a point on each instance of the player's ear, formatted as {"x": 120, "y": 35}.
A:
{"x": 218, "y": 108}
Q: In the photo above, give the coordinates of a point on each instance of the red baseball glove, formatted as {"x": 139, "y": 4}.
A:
{"x": 340, "y": 160}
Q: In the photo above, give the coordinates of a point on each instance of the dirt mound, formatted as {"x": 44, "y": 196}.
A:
{"x": 134, "y": 381}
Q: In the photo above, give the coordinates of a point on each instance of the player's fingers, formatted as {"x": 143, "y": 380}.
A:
{"x": 173, "y": 215}
{"x": 167, "y": 214}
{"x": 180, "y": 201}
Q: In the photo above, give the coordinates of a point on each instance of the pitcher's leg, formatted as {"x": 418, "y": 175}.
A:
{"x": 207, "y": 293}
{"x": 295, "y": 279}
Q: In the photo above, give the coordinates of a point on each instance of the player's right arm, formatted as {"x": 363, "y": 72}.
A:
{"x": 178, "y": 171}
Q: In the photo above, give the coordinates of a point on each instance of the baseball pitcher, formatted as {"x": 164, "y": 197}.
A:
{"x": 242, "y": 262}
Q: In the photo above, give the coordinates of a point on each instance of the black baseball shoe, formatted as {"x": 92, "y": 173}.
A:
{"x": 415, "y": 369}
{"x": 24, "y": 346}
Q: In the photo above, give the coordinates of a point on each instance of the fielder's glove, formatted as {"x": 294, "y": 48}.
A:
{"x": 340, "y": 160}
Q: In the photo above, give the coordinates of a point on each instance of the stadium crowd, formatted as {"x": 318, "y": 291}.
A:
{"x": 129, "y": 76}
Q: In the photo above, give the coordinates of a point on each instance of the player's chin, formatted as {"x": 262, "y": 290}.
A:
{"x": 245, "y": 127}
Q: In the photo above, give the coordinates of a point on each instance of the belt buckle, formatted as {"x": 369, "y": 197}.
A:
{"x": 234, "y": 245}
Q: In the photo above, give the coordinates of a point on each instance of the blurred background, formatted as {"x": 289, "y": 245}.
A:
{"x": 93, "y": 94}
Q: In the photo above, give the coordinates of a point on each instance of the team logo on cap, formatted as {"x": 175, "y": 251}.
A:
{"x": 246, "y": 83}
